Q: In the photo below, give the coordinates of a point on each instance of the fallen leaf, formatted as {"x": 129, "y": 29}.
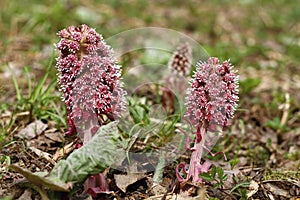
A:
{"x": 123, "y": 181}
{"x": 32, "y": 130}
{"x": 132, "y": 176}
{"x": 55, "y": 136}
{"x": 158, "y": 189}
{"x": 276, "y": 190}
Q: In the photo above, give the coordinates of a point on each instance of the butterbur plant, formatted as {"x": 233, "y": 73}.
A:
{"x": 92, "y": 91}
{"x": 89, "y": 80}
{"x": 211, "y": 101}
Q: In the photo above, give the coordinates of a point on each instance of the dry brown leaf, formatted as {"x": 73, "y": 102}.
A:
{"x": 158, "y": 189}
{"x": 276, "y": 190}
{"x": 32, "y": 130}
{"x": 132, "y": 176}
{"x": 55, "y": 136}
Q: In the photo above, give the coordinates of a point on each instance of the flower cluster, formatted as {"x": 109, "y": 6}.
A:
{"x": 88, "y": 77}
{"x": 211, "y": 101}
{"x": 213, "y": 95}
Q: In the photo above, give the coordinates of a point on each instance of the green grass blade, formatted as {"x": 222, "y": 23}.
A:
{"x": 243, "y": 184}
{"x": 38, "y": 89}
{"x": 45, "y": 93}
{"x": 28, "y": 80}
{"x": 16, "y": 85}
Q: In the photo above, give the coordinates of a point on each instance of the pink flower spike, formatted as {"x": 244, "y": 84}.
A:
{"x": 211, "y": 101}
{"x": 89, "y": 79}
{"x": 213, "y": 95}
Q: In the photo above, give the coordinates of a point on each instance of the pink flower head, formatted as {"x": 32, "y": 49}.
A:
{"x": 213, "y": 95}
{"x": 88, "y": 76}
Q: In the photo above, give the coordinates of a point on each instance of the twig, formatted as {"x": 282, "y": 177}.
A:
{"x": 42, "y": 154}
{"x": 286, "y": 109}
{"x": 6, "y": 115}
{"x": 159, "y": 196}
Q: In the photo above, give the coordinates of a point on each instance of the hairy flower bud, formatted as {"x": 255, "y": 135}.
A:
{"x": 88, "y": 77}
